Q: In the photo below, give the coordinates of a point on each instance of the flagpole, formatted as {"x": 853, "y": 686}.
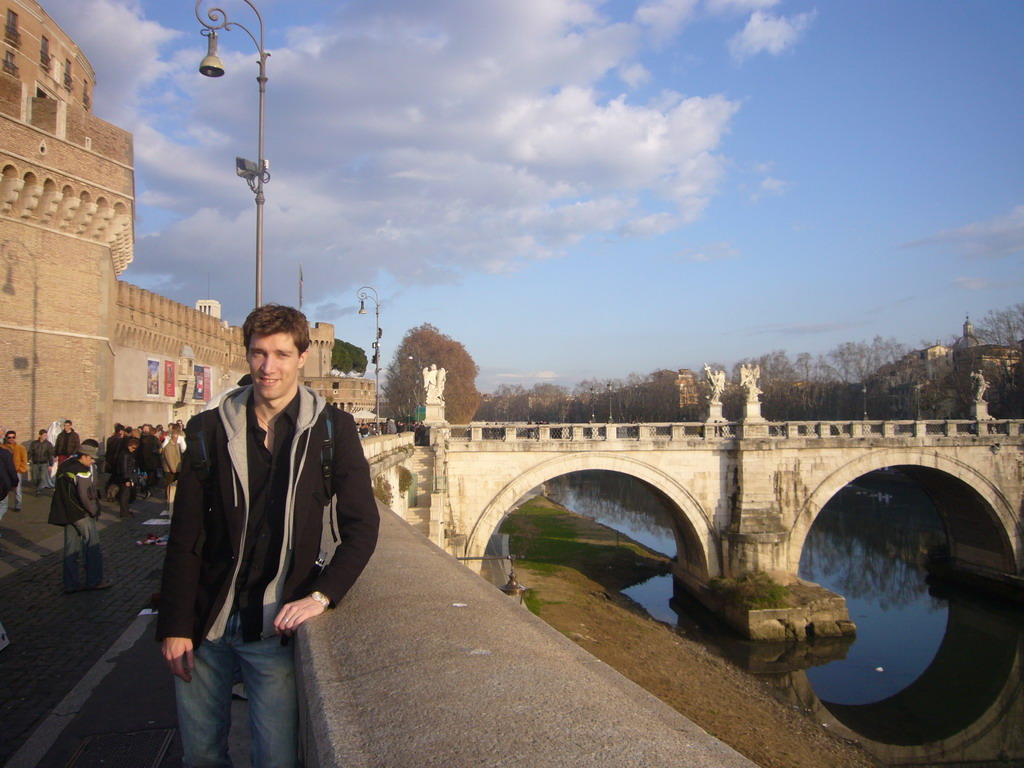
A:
{"x": 300, "y": 285}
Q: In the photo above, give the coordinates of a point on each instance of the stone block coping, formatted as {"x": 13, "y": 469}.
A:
{"x": 426, "y": 664}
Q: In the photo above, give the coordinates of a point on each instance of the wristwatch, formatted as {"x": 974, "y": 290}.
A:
{"x": 321, "y": 598}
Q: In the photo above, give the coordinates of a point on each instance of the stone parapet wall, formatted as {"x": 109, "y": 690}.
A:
{"x": 461, "y": 675}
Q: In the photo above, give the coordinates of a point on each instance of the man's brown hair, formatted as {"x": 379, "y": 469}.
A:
{"x": 277, "y": 318}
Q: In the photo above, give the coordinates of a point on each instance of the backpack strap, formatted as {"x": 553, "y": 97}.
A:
{"x": 329, "y": 537}
{"x": 198, "y": 451}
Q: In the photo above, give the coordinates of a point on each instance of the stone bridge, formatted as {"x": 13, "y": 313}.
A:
{"x": 743, "y": 496}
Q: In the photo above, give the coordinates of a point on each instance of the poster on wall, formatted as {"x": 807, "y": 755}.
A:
{"x": 170, "y": 380}
{"x": 200, "y": 392}
{"x": 153, "y": 377}
{"x": 207, "y": 375}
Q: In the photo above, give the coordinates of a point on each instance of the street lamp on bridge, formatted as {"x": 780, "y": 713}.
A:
{"x": 363, "y": 296}
{"x": 255, "y": 174}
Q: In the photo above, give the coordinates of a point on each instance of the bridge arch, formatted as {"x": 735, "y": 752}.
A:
{"x": 982, "y": 526}
{"x": 686, "y": 509}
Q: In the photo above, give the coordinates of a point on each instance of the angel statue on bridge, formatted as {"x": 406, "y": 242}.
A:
{"x": 433, "y": 382}
{"x": 716, "y": 380}
{"x": 749, "y": 374}
{"x": 979, "y": 385}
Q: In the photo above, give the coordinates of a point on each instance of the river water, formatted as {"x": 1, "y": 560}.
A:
{"x": 934, "y": 676}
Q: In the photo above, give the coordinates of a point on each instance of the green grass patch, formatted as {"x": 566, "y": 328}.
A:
{"x": 546, "y": 537}
{"x": 752, "y": 591}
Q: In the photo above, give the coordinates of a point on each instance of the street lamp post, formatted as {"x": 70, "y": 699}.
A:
{"x": 362, "y": 295}
{"x": 609, "y": 402}
{"x": 255, "y": 174}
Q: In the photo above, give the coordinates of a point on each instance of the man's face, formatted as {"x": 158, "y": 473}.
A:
{"x": 145, "y": 429}
{"x": 87, "y": 460}
{"x": 274, "y": 362}
{"x": 67, "y": 426}
{"x": 11, "y": 437}
{"x": 42, "y": 435}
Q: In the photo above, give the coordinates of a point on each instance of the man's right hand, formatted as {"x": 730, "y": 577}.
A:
{"x": 179, "y": 656}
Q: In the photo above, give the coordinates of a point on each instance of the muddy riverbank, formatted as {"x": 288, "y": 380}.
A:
{"x": 575, "y": 569}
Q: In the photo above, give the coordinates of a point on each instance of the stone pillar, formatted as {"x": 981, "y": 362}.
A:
{"x": 757, "y": 537}
{"x": 979, "y": 411}
{"x": 715, "y": 412}
{"x": 434, "y": 415}
{"x": 752, "y": 410}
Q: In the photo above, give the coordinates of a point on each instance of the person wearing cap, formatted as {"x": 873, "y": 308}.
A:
{"x": 75, "y": 505}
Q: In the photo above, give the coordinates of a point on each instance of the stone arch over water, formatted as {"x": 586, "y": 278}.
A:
{"x": 692, "y": 524}
{"x": 982, "y": 526}
{"x": 937, "y": 716}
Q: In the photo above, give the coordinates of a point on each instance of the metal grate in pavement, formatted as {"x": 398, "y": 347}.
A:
{"x": 141, "y": 749}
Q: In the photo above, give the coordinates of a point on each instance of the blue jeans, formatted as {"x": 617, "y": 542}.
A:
{"x": 82, "y": 537}
{"x": 204, "y": 705}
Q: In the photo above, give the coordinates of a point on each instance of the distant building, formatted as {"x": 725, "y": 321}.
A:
{"x": 689, "y": 392}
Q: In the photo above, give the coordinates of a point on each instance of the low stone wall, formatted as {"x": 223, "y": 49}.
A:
{"x": 426, "y": 664}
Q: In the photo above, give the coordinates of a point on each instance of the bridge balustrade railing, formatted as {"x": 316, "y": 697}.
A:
{"x": 726, "y": 430}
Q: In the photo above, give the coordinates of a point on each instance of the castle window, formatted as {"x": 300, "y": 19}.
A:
{"x": 67, "y": 74}
{"x": 86, "y": 101}
{"x": 11, "y": 33}
{"x": 44, "y": 53}
{"x": 9, "y": 66}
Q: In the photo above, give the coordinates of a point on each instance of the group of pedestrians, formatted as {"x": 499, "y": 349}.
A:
{"x": 136, "y": 464}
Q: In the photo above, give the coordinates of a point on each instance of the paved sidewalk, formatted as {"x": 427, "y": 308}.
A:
{"x": 82, "y": 682}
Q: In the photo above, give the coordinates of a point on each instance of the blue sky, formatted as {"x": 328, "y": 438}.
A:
{"x": 578, "y": 189}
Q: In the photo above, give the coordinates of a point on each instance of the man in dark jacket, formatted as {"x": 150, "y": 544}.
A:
{"x": 40, "y": 459}
{"x": 67, "y": 443}
{"x": 75, "y": 505}
{"x": 252, "y": 554}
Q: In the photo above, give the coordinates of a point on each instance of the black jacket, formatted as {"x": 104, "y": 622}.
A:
{"x": 74, "y": 494}
{"x": 210, "y": 518}
{"x": 8, "y": 474}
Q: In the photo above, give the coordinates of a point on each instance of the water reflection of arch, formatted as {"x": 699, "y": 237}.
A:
{"x": 695, "y": 536}
{"x": 971, "y": 692}
{"x": 982, "y": 525}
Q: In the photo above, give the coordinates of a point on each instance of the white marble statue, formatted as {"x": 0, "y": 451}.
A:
{"x": 749, "y": 374}
{"x": 978, "y": 385}
{"x": 716, "y": 380}
{"x": 433, "y": 382}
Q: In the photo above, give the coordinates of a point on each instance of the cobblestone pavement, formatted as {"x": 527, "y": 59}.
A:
{"x": 56, "y": 638}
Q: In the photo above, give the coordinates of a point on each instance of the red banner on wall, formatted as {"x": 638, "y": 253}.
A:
{"x": 170, "y": 380}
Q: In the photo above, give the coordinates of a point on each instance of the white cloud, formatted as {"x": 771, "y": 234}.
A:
{"x": 665, "y": 18}
{"x": 767, "y": 33}
{"x": 720, "y": 251}
{"x": 634, "y": 75}
{"x": 769, "y": 187}
{"x": 738, "y": 6}
{"x": 420, "y": 141}
{"x": 993, "y": 239}
{"x": 971, "y": 283}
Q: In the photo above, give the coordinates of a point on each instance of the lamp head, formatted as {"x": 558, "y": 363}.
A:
{"x": 211, "y": 65}
{"x": 362, "y": 307}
